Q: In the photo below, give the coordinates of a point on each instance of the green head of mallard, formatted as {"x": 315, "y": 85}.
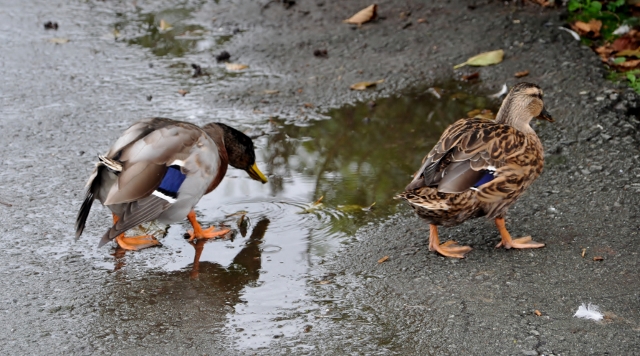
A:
{"x": 240, "y": 151}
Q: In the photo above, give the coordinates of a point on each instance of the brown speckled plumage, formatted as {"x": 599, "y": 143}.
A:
{"x": 504, "y": 155}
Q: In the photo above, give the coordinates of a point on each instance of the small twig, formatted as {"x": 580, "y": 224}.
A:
{"x": 5, "y": 203}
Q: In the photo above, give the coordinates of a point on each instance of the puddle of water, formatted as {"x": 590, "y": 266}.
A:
{"x": 360, "y": 155}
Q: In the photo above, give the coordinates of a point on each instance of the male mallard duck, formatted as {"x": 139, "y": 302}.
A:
{"x": 479, "y": 168}
{"x": 159, "y": 169}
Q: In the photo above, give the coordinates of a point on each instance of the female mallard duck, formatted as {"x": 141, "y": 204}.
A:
{"x": 158, "y": 170}
{"x": 479, "y": 168}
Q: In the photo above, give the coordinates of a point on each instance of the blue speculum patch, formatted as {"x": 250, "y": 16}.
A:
{"x": 172, "y": 181}
{"x": 486, "y": 178}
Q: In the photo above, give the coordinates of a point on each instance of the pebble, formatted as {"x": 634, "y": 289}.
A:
{"x": 595, "y": 168}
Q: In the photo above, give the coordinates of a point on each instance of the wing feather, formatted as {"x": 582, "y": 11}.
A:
{"x": 465, "y": 149}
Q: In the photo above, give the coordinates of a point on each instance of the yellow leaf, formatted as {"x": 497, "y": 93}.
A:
{"x": 483, "y": 59}
{"x": 164, "y": 25}
{"x": 365, "y": 15}
{"x": 236, "y": 66}
{"x": 365, "y": 85}
{"x": 59, "y": 40}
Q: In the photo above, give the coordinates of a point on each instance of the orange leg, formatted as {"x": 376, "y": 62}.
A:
{"x": 447, "y": 249}
{"x": 134, "y": 243}
{"x": 507, "y": 242}
{"x": 199, "y": 233}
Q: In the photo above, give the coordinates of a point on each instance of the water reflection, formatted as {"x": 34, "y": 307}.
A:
{"x": 365, "y": 153}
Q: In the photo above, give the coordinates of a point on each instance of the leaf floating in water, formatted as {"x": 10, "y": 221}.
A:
{"x": 236, "y": 66}
{"x": 59, "y": 40}
{"x": 165, "y": 26}
{"x": 317, "y": 205}
{"x": 483, "y": 59}
{"x": 365, "y": 15}
{"x": 351, "y": 208}
{"x": 365, "y": 85}
{"x": 383, "y": 259}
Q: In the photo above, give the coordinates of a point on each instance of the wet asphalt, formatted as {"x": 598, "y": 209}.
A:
{"x": 62, "y": 103}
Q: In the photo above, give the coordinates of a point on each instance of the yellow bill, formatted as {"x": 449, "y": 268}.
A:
{"x": 255, "y": 173}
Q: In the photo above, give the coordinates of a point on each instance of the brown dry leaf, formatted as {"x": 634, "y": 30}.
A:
{"x": 521, "y": 74}
{"x": 183, "y": 92}
{"x": 544, "y": 3}
{"x": 236, "y": 66}
{"x": 598, "y": 258}
{"x": 59, "y": 40}
{"x": 471, "y": 76}
{"x": 383, "y": 259}
{"x": 629, "y": 53}
{"x": 537, "y": 312}
{"x": 308, "y": 105}
{"x": 365, "y": 85}
{"x": 629, "y": 64}
{"x": 422, "y": 20}
{"x": 591, "y": 28}
{"x": 365, "y": 15}
{"x": 165, "y": 26}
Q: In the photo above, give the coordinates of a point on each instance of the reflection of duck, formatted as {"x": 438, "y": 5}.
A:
{"x": 480, "y": 167}
{"x": 159, "y": 169}
{"x": 246, "y": 264}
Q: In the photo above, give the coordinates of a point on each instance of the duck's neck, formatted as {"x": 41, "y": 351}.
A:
{"x": 514, "y": 115}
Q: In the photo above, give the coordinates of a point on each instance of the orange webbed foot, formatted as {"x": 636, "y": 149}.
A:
{"x": 447, "y": 249}
{"x": 135, "y": 243}
{"x": 451, "y": 249}
{"x": 522, "y": 242}
{"x": 507, "y": 242}
{"x": 207, "y": 233}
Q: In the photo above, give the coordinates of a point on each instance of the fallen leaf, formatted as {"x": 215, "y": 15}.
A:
{"x": 308, "y": 105}
{"x": 628, "y": 64}
{"x": 351, "y": 208}
{"x": 471, "y": 76}
{"x": 365, "y": 15}
{"x": 598, "y": 258}
{"x": 236, "y": 66}
{"x": 313, "y": 206}
{"x": 629, "y": 53}
{"x": 183, "y": 92}
{"x": 325, "y": 282}
{"x": 383, "y": 259}
{"x": 584, "y": 251}
{"x": 59, "y": 40}
{"x": 521, "y": 74}
{"x": 164, "y": 25}
{"x": 422, "y": 20}
{"x": 483, "y": 59}
{"x": 590, "y": 29}
{"x": 365, "y": 85}
{"x": 537, "y": 312}
{"x": 269, "y": 91}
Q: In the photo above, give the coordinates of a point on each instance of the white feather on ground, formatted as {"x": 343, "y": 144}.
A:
{"x": 589, "y": 311}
